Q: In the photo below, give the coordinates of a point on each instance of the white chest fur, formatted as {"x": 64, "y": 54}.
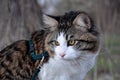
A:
{"x": 66, "y": 70}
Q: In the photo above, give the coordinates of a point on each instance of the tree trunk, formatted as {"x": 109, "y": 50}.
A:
{"x": 18, "y": 19}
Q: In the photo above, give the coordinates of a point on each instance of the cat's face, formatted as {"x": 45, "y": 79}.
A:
{"x": 65, "y": 46}
{"x": 70, "y": 39}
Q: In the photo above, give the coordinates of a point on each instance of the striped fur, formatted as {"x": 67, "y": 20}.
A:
{"x": 79, "y": 58}
{"x": 15, "y": 60}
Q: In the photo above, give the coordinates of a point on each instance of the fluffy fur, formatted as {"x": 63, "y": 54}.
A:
{"x": 72, "y": 42}
{"x": 70, "y": 60}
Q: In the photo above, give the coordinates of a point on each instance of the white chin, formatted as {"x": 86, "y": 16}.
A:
{"x": 70, "y": 58}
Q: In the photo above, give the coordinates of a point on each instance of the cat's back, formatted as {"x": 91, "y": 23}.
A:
{"x": 15, "y": 62}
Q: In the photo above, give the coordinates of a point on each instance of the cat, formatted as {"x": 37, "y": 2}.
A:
{"x": 72, "y": 43}
{"x": 16, "y": 62}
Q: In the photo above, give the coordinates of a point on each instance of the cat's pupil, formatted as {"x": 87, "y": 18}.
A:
{"x": 71, "y": 42}
{"x": 56, "y": 43}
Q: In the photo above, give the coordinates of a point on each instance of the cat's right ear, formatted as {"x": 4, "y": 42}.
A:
{"x": 83, "y": 22}
{"x": 50, "y": 22}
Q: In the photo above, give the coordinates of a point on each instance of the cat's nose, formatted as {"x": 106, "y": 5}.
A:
{"x": 62, "y": 54}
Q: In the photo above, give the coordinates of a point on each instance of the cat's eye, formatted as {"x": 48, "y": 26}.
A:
{"x": 71, "y": 42}
{"x": 56, "y": 43}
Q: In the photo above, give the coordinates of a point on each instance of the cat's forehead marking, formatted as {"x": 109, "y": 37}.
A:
{"x": 65, "y": 21}
{"x": 61, "y": 38}
{"x": 64, "y": 36}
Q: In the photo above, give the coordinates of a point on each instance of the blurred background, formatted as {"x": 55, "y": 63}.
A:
{"x": 20, "y": 18}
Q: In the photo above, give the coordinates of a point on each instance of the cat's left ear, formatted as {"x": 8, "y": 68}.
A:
{"x": 82, "y": 21}
{"x": 50, "y": 22}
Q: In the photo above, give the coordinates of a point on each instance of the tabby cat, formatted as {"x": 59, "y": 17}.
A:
{"x": 73, "y": 44}
{"x": 16, "y": 62}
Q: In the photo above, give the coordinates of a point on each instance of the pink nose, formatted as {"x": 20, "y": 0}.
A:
{"x": 62, "y": 55}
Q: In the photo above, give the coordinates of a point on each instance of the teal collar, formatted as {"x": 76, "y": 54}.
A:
{"x": 36, "y": 57}
{"x": 32, "y": 52}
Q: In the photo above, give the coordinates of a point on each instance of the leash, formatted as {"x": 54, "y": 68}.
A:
{"x": 35, "y": 57}
{"x": 38, "y": 69}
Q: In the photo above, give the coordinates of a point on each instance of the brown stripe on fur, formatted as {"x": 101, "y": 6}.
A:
{"x": 48, "y": 48}
{"x": 15, "y": 61}
{"x": 92, "y": 40}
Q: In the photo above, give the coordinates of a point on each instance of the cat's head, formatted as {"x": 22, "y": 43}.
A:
{"x": 71, "y": 36}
